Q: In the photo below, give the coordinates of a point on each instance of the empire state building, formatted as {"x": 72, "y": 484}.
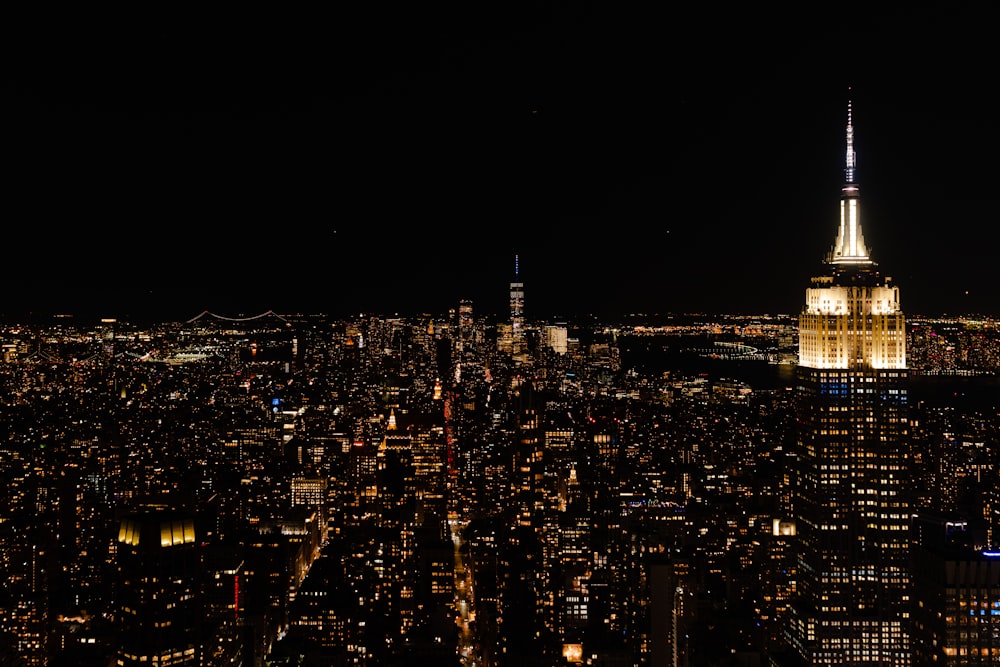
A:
{"x": 849, "y": 494}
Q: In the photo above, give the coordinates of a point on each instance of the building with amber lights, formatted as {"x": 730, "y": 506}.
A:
{"x": 956, "y": 594}
{"x": 852, "y": 517}
{"x": 159, "y": 592}
{"x": 512, "y": 335}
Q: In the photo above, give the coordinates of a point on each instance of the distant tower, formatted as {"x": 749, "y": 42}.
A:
{"x": 517, "y": 308}
{"x": 849, "y": 500}
{"x": 466, "y": 332}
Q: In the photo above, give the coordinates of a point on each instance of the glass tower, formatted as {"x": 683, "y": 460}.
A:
{"x": 517, "y": 307}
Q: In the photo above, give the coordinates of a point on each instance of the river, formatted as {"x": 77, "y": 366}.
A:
{"x": 656, "y": 354}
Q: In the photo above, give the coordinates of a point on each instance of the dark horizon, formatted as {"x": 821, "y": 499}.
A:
{"x": 636, "y": 160}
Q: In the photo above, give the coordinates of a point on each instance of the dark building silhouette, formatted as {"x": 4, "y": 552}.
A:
{"x": 159, "y": 596}
{"x": 956, "y": 594}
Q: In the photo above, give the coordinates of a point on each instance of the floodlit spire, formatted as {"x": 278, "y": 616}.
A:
{"x": 850, "y": 248}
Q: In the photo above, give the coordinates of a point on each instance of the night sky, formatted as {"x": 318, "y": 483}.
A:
{"x": 396, "y": 159}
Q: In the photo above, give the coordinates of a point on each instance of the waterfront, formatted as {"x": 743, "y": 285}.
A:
{"x": 658, "y": 354}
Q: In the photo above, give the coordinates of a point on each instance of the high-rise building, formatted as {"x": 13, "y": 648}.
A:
{"x": 466, "y": 331}
{"x": 311, "y": 492}
{"x": 511, "y": 334}
{"x": 528, "y": 471}
{"x": 557, "y": 338}
{"x": 517, "y": 307}
{"x": 159, "y": 602}
{"x": 956, "y": 591}
{"x": 852, "y": 517}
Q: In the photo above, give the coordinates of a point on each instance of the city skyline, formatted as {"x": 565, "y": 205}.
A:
{"x": 359, "y": 163}
{"x": 472, "y": 473}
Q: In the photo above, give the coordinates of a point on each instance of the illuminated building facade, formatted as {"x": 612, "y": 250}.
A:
{"x": 517, "y": 300}
{"x": 529, "y": 458}
{"x": 517, "y": 309}
{"x": 849, "y": 501}
{"x": 956, "y": 590}
{"x": 311, "y": 492}
{"x": 557, "y": 338}
{"x": 466, "y": 329}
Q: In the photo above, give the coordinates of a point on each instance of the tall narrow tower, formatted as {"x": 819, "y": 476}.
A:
{"x": 517, "y": 307}
{"x": 849, "y": 496}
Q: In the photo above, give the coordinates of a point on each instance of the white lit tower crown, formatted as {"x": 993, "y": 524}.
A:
{"x": 849, "y": 496}
{"x": 852, "y": 318}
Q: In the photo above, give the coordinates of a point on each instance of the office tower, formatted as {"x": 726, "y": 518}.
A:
{"x": 223, "y": 605}
{"x": 360, "y": 487}
{"x": 956, "y": 592}
{"x": 849, "y": 497}
{"x": 466, "y": 331}
{"x": 777, "y": 582}
{"x": 24, "y": 609}
{"x": 557, "y": 338}
{"x": 528, "y": 471}
{"x": 430, "y": 471}
{"x": 517, "y": 309}
{"x": 159, "y": 603}
{"x": 311, "y": 493}
{"x": 395, "y": 477}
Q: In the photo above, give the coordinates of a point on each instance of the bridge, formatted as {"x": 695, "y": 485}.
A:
{"x": 732, "y": 351}
{"x": 206, "y": 313}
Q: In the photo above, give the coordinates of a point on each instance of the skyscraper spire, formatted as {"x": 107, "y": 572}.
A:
{"x": 850, "y": 474}
{"x": 850, "y": 248}
{"x": 849, "y": 172}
